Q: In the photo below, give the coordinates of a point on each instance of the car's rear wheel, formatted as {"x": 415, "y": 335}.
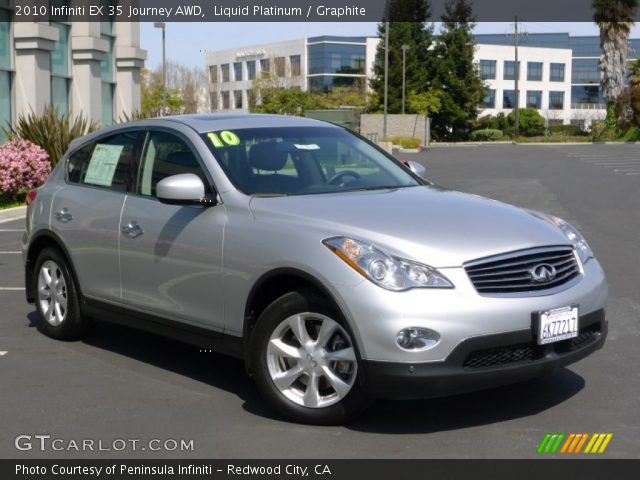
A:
{"x": 305, "y": 361}
{"x": 57, "y": 299}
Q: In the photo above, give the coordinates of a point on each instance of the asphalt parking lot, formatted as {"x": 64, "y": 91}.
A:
{"x": 123, "y": 384}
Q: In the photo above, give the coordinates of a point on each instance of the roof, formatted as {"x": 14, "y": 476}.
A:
{"x": 215, "y": 121}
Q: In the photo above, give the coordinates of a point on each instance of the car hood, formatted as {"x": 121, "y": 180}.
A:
{"x": 440, "y": 227}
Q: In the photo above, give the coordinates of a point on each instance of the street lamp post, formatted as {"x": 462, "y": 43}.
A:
{"x": 386, "y": 79}
{"x": 162, "y": 26}
{"x": 404, "y": 70}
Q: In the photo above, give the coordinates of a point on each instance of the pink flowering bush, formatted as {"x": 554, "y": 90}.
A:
{"x": 23, "y": 166}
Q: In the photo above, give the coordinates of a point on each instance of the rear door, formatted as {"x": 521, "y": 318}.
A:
{"x": 86, "y": 212}
{"x": 171, "y": 255}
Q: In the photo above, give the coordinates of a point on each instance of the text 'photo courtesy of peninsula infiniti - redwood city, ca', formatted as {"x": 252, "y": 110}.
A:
{"x": 337, "y": 273}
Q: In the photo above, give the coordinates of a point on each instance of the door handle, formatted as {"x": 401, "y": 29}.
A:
{"x": 132, "y": 230}
{"x": 63, "y": 216}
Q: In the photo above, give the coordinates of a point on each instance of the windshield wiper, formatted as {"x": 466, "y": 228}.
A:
{"x": 376, "y": 187}
{"x": 269, "y": 194}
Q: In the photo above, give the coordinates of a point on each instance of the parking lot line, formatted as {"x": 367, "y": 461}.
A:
{"x": 10, "y": 252}
{"x": 2, "y": 230}
{"x": 12, "y": 289}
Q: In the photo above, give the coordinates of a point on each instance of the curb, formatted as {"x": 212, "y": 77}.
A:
{"x": 10, "y": 214}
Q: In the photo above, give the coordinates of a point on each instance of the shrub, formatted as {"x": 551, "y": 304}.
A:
{"x": 567, "y": 130}
{"x": 486, "y": 135}
{"x": 531, "y": 122}
{"x": 52, "y": 131}
{"x": 23, "y": 166}
{"x": 406, "y": 142}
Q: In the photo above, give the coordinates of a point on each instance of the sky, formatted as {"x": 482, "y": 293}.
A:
{"x": 188, "y": 42}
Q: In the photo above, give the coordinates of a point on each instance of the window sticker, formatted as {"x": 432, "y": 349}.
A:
{"x": 225, "y": 138}
{"x": 310, "y": 146}
{"x": 102, "y": 165}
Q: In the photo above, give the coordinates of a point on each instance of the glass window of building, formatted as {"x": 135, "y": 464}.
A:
{"x": 585, "y": 70}
{"x": 509, "y": 70}
{"x": 342, "y": 58}
{"x": 489, "y": 100}
{"x": 213, "y": 98}
{"x": 108, "y": 83}
{"x": 237, "y": 71}
{"x": 225, "y": 72}
{"x": 534, "y": 99}
{"x": 326, "y": 83}
{"x": 60, "y": 70}
{"x": 556, "y": 72}
{"x": 556, "y": 100}
{"x": 237, "y": 99}
{"x": 296, "y": 65}
{"x": 5, "y": 68}
{"x": 509, "y": 99}
{"x": 251, "y": 70}
{"x": 225, "y": 100}
{"x": 488, "y": 69}
{"x": 213, "y": 73}
{"x": 279, "y": 65}
{"x": 265, "y": 66}
{"x": 586, "y": 96}
{"x": 534, "y": 71}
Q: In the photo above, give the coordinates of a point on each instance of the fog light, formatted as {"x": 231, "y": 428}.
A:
{"x": 417, "y": 338}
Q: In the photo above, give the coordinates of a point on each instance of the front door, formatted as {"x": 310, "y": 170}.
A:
{"x": 171, "y": 256}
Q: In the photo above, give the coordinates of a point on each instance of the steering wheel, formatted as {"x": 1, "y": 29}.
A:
{"x": 340, "y": 175}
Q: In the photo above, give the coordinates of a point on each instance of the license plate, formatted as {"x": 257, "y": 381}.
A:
{"x": 557, "y": 324}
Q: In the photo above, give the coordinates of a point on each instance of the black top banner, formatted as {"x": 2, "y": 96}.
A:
{"x": 284, "y": 10}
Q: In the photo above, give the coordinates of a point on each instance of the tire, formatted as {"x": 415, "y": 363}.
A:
{"x": 56, "y": 297}
{"x": 314, "y": 381}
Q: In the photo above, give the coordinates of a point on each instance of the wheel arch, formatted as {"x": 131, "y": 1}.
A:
{"x": 41, "y": 240}
{"x": 271, "y": 286}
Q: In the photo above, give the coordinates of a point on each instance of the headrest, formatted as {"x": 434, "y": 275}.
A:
{"x": 183, "y": 158}
{"x": 267, "y": 156}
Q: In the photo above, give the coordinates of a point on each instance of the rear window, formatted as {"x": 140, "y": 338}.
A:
{"x": 109, "y": 162}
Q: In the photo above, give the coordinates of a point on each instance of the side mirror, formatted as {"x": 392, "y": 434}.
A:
{"x": 183, "y": 189}
{"x": 417, "y": 168}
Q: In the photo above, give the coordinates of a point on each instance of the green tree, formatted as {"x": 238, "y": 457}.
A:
{"x": 269, "y": 96}
{"x": 615, "y": 19}
{"x": 342, "y": 97}
{"x": 157, "y": 100}
{"x": 455, "y": 73}
{"x": 414, "y": 33}
{"x": 425, "y": 103}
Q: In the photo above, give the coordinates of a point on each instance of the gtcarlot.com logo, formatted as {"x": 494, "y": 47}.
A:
{"x": 45, "y": 443}
{"x": 573, "y": 443}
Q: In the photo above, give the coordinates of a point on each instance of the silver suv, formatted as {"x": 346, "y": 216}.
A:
{"x": 337, "y": 273}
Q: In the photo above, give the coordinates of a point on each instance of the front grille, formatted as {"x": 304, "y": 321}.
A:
{"x": 529, "y": 352}
{"x": 511, "y": 273}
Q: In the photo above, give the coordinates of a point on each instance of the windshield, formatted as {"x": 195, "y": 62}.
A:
{"x": 303, "y": 161}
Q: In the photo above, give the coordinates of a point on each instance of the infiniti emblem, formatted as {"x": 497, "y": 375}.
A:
{"x": 543, "y": 273}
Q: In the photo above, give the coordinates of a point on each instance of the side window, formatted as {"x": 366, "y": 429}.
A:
{"x": 165, "y": 155}
{"x": 109, "y": 162}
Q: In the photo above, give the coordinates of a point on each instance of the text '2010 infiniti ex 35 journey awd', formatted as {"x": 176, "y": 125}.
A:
{"x": 337, "y": 273}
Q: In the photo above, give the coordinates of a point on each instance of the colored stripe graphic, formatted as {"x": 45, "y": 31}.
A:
{"x": 573, "y": 443}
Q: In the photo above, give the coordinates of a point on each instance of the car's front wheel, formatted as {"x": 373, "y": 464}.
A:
{"x": 57, "y": 298}
{"x": 305, "y": 361}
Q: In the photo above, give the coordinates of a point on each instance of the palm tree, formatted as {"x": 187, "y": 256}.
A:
{"x": 615, "y": 19}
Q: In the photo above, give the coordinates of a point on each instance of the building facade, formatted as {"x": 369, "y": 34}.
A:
{"x": 558, "y": 73}
{"x": 84, "y": 68}
{"x": 316, "y": 64}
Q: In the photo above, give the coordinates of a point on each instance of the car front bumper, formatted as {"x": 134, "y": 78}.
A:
{"x": 483, "y": 362}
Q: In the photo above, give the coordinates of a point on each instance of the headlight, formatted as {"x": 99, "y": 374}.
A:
{"x": 574, "y": 236}
{"x": 383, "y": 269}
